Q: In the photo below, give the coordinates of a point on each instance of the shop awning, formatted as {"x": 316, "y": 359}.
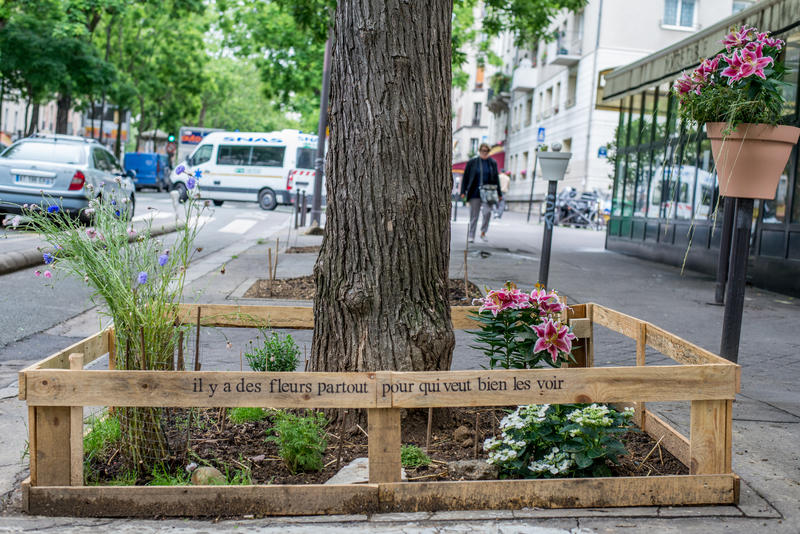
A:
{"x": 667, "y": 64}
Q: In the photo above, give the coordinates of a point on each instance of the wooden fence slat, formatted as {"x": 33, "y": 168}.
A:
{"x": 91, "y": 347}
{"x": 299, "y": 317}
{"x": 672, "y": 440}
{"x": 32, "y": 454}
{"x": 679, "y": 349}
{"x": 359, "y": 390}
{"x": 581, "y": 327}
{"x": 641, "y": 346}
{"x": 383, "y": 429}
{"x": 558, "y": 493}
{"x": 76, "y": 431}
{"x": 203, "y": 501}
{"x": 709, "y": 439}
{"x": 52, "y": 445}
{"x": 616, "y": 321}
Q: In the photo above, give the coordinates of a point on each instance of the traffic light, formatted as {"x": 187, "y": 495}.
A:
{"x": 171, "y": 138}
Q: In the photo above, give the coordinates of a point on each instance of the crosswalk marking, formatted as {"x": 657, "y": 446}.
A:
{"x": 238, "y": 226}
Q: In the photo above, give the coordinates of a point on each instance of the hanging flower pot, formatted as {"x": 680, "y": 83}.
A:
{"x": 751, "y": 157}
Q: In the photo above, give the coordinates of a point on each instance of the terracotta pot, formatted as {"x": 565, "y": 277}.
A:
{"x": 751, "y": 158}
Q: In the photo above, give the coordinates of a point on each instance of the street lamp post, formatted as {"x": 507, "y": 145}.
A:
{"x": 554, "y": 165}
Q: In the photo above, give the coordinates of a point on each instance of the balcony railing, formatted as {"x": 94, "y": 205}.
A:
{"x": 568, "y": 49}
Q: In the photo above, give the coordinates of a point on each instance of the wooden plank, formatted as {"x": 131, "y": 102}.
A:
{"x": 204, "y": 501}
{"x": 582, "y": 328}
{"x": 708, "y": 440}
{"x": 359, "y": 390}
{"x": 300, "y": 317}
{"x": 679, "y": 349}
{"x": 91, "y": 347}
{"x": 641, "y": 347}
{"x": 672, "y": 440}
{"x": 558, "y": 493}
{"x": 32, "y": 444}
{"x": 555, "y": 386}
{"x": 52, "y": 445}
{"x": 618, "y": 322}
{"x": 22, "y": 385}
{"x": 203, "y": 389}
{"x": 461, "y": 318}
{"x": 590, "y": 344}
{"x": 112, "y": 349}
{"x": 76, "y": 431}
{"x": 383, "y": 428}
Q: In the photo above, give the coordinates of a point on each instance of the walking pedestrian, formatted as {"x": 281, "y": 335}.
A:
{"x": 480, "y": 187}
{"x": 505, "y": 183}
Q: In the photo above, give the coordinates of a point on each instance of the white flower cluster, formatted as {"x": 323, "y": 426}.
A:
{"x": 554, "y": 462}
{"x": 524, "y": 416}
{"x": 593, "y": 415}
{"x": 508, "y": 447}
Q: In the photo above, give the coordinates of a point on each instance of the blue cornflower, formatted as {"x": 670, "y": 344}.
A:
{"x": 179, "y": 169}
{"x": 198, "y": 173}
{"x": 48, "y": 258}
{"x": 113, "y": 202}
{"x": 142, "y": 278}
{"x": 163, "y": 259}
{"x": 190, "y": 183}
{"x": 52, "y": 209}
{"x": 117, "y": 213}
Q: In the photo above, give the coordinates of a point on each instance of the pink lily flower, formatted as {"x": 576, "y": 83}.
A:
{"x": 747, "y": 62}
{"x": 547, "y": 302}
{"x": 503, "y": 299}
{"x": 554, "y": 338}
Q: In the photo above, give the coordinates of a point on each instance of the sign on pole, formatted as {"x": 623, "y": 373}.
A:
{"x": 540, "y": 136}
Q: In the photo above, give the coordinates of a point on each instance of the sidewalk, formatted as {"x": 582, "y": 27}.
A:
{"x": 766, "y": 413}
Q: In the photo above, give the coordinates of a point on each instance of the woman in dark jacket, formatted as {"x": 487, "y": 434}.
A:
{"x": 480, "y": 171}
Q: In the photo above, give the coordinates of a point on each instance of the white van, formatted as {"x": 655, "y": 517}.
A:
{"x": 268, "y": 168}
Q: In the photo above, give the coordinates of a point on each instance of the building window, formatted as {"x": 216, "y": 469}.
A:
{"x": 473, "y": 146}
{"x": 479, "y": 78}
{"x": 476, "y": 114}
{"x": 679, "y": 13}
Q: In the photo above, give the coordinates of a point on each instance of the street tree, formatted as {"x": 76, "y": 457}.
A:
{"x": 382, "y": 273}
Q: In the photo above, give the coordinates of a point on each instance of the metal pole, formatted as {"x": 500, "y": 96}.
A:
{"x": 304, "y": 209}
{"x": 533, "y": 181}
{"x": 455, "y": 210}
{"x": 296, "y": 209}
{"x": 547, "y": 239}
{"x": 728, "y": 209}
{"x": 319, "y": 163}
{"x": 734, "y": 297}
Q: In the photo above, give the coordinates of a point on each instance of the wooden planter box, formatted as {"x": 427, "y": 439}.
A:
{"x": 57, "y": 388}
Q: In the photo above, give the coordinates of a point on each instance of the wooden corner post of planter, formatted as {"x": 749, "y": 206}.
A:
{"x": 383, "y": 435}
{"x": 56, "y": 441}
{"x": 710, "y": 439}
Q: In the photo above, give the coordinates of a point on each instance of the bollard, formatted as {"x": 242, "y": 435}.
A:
{"x": 296, "y": 209}
{"x": 303, "y": 207}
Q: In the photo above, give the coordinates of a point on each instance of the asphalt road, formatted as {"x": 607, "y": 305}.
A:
{"x": 31, "y": 306}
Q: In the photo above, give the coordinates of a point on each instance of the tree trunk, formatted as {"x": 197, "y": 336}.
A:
{"x": 201, "y": 120}
{"x": 34, "y": 124}
{"x": 118, "y": 144}
{"x": 382, "y": 274}
{"x": 64, "y": 103}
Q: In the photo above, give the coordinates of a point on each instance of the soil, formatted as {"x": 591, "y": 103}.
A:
{"x": 243, "y": 447}
{"x": 304, "y": 288}
{"x": 314, "y": 249}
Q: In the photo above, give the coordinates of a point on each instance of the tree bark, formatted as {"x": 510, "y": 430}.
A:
{"x": 64, "y": 103}
{"x": 382, "y": 274}
{"x": 34, "y": 124}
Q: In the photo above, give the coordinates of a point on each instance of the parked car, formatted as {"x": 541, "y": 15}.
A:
{"x": 152, "y": 170}
{"x": 60, "y": 167}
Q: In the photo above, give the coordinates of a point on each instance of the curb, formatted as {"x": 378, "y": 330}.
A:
{"x": 15, "y": 261}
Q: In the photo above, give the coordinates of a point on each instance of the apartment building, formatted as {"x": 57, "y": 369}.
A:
{"x": 552, "y": 92}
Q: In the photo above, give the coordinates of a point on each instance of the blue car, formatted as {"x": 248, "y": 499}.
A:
{"x": 152, "y": 170}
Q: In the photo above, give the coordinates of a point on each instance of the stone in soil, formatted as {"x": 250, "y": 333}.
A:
{"x": 207, "y": 476}
{"x": 472, "y": 470}
{"x": 356, "y": 472}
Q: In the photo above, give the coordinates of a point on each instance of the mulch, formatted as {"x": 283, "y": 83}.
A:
{"x": 304, "y": 288}
{"x": 230, "y": 447}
